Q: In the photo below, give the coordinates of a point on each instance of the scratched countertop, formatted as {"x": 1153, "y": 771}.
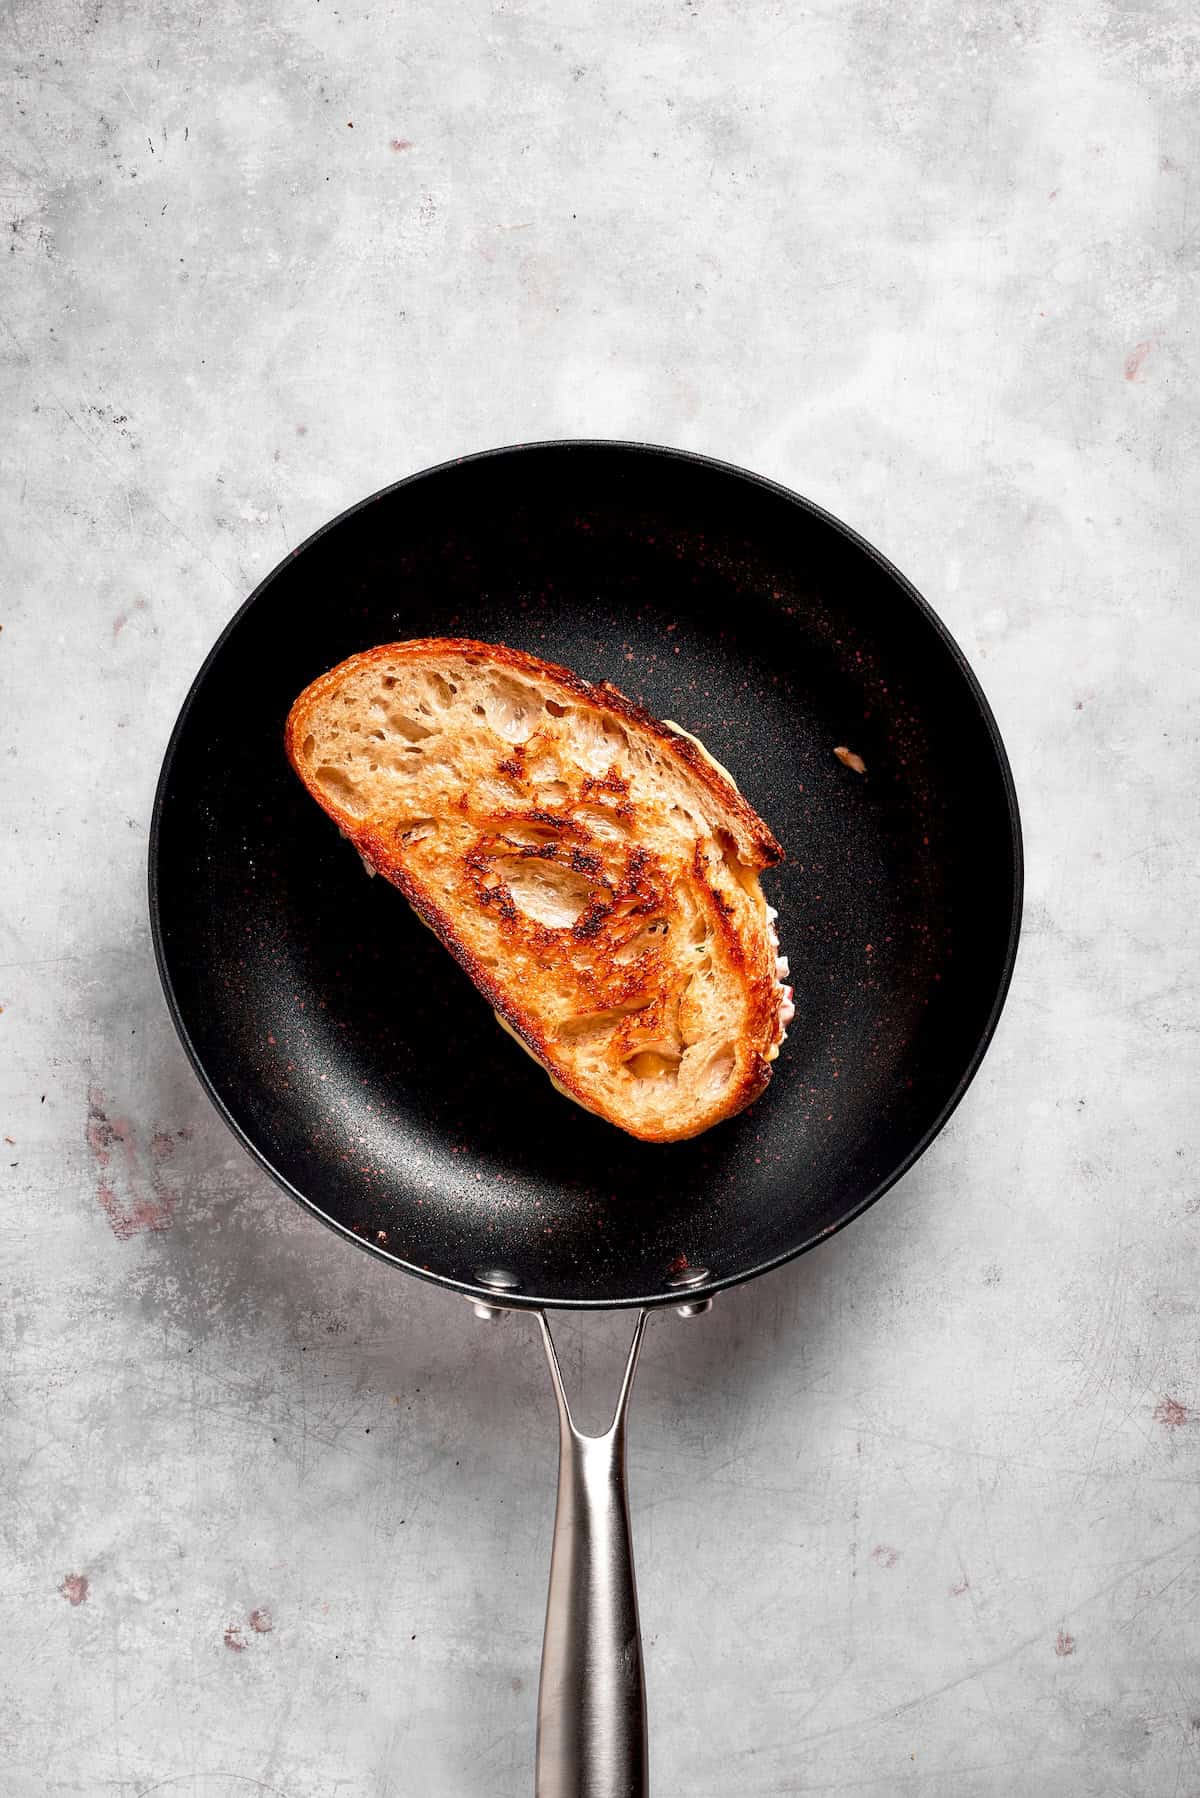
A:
{"x": 918, "y": 1514}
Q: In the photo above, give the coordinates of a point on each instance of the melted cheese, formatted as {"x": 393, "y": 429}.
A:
{"x": 537, "y": 1060}
{"x": 697, "y": 744}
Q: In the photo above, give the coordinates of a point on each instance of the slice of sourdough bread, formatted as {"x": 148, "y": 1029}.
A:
{"x": 593, "y": 870}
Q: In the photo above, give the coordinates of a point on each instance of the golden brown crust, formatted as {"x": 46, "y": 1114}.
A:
{"x": 764, "y": 1006}
{"x": 609, "y": 967}
{"x": 602, "y": 694}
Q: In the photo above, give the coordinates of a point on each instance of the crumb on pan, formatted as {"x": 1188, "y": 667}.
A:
{"x": 848, "y": 759}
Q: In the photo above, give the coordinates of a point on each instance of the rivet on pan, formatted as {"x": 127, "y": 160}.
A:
{"x": 691, "y": 1276}
{"x": 498, "y": 1277}
{"x": 489, "y": 1313}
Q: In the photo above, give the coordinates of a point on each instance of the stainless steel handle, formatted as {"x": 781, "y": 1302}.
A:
{"x": 591, "y": 1739}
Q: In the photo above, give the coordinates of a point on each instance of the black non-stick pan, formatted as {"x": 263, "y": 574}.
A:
{"x": 360, "y": 1066}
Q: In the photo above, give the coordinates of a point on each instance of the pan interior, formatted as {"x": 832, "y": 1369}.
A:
{"x": 362, "y": 1066}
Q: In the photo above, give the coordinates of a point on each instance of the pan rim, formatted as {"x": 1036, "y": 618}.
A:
{"x": 517, "y": 1300}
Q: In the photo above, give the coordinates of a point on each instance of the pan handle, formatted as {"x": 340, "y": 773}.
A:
{"x": 591, "y": 1737}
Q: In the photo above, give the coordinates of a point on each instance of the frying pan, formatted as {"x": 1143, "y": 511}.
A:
{"x": 365, "y": 1073}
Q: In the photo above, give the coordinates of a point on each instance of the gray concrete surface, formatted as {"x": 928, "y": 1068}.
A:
{"x": 918, "y": 1515}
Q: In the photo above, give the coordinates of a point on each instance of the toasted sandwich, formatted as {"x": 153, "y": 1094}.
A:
{"x": 594, "y": 870}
